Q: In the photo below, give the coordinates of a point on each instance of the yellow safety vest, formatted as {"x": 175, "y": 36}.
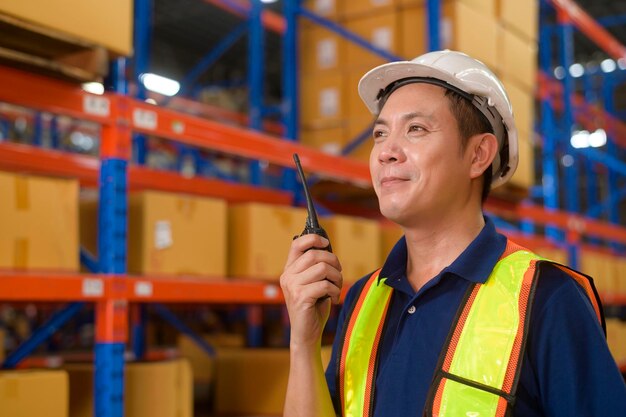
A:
{"x": 479, "y": 368}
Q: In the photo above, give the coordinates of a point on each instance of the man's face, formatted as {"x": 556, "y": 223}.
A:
{"x": 418, "y": 170}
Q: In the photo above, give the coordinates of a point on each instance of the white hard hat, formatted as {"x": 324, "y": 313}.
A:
{"x": 465, "y": 75}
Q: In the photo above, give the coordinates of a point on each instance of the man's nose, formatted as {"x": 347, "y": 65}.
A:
{"x": 391, "y": 150}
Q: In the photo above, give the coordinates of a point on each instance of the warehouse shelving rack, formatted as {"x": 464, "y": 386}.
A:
{"x": 111, "y": 290}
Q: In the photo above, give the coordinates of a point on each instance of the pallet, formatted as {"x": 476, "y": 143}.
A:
{"x": 35, "y": 48}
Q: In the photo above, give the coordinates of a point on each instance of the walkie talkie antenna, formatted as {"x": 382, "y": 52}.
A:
{"x": 312, "y": 214}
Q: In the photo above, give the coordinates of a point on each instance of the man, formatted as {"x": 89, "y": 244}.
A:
{"x": 459, "y": 321}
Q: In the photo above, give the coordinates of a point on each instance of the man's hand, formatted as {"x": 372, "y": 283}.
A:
{"x": 310, "y": 281}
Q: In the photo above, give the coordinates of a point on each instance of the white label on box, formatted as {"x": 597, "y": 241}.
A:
{"x": 162, "y": 234}
{"x": 382, "y": 38}
{"x": 93, "y": 287}
{"x": 329, "y": 102}
{"x": 326, "y": 53}
{"x": 96, "y": 105}
{"x": 143, "y": 289}
{"x": 145, "y": 119}
{"x": 324, "y": 7}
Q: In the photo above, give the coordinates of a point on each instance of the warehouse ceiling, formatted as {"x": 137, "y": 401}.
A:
{"x": 184, "y": 31}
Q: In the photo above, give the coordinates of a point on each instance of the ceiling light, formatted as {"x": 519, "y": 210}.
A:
{"x": 160, "y": 84}
{"x": 559, "y": 73}
{"x": 268, "y": 1}
{"x": 580, "y": 139}
{"x": 621, "y": 63}
{"x": 597, "y": 138}
{"x": 576, "y": 70}
{"x": 94, "y": 88}
{"x": 608, "y": 65}
{"x": 567, "y": 160}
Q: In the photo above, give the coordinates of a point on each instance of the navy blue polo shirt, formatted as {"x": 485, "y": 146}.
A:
{"x": 567, "y": 368}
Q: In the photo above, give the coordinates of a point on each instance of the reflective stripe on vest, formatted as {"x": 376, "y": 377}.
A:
{"x": 360, "y": 348}
{"x": 480, "y": 364}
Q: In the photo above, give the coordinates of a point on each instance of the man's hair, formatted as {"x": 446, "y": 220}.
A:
{"x": 470, "y": 122}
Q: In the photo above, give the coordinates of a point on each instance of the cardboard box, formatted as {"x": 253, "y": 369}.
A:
{"x": 358, "y": 8}
{"x": 390, "y": 233}
{"x": 557, "y": 255}
{"x": 620, "y": 281}
{"x": 107, "y": 23}
{"x": 523, "y": 102}
{"x": 356, "y": 242}
{"x": 330, "y": 9}
{"x": 381, "y": 30}
{"x": 260, "y": 237}
{"x": 251, "y": 381}
{"x": 39, "y": 223}
{"x": 34, "y": 393}
{"x": 201, "y": 363}
{"x": 155, "y": 389}
{"x": 355, "y": 128}
{"x": 521, "y": 17}
{"x": 486, "y": 7}
{"x": 330, "y": 139}
{"x": 616, "y": 339}
{"x": 322, "y": 100}
{"x": 356, "y": 109}
{"x": 462, "y": 29}
{"x": 169, "y": 234}
{"x": 517, "y": 58}
{"x": 320, "y": 49}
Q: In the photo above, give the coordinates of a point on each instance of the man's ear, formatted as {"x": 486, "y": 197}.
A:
{"x": 483, "y": 149}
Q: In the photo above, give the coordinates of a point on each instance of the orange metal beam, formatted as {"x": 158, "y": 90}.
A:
{"x": 45, "y": 286}
{"x": 244, "y": 142}
{"x": 550, "y": 88}
{"x": 587, "y": 25}
{"x": 64, "y": 98}
{"x": 37, "y": 161}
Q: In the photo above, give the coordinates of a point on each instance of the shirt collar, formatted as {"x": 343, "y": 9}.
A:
{"x": 474, "y": 264}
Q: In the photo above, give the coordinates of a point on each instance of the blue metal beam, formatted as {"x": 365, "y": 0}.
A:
{"x": 172, "y": 319}
{"x": 334, "y": 27}
{"x": 46, "y": 330}
{"x": 141, "y": 62}
{"x": 211, "y": 57}
{"x": 613, "y": 199}
{"x": 615, "y": 20}
{"x": 256, "y": 64}
{"x": 434, "y": 19}
{"x": 89, "y": 261}
{"x": 291, "y": 93}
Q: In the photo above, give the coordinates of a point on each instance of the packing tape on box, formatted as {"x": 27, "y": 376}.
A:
{"x": 20, "y": 253}
{"x": 21, "y": 193}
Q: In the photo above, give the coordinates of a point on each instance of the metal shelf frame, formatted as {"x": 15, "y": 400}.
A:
{"x": 114, "y": 293}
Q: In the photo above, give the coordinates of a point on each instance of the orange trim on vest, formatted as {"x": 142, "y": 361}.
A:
{"x": 373, "y": 357}
{"x": 353, "y": 317}
{"x": 584, "y": 282}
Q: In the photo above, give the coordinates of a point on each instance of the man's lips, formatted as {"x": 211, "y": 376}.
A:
{"x": 388, "y": 181}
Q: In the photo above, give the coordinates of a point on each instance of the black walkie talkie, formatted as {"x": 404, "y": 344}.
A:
{"x": 312, "y": 225}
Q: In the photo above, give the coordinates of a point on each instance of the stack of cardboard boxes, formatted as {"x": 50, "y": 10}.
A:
{"x": 501, "y": 33}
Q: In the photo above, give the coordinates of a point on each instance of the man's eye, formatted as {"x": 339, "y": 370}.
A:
{"x": 377, "y": 133}
{"x": 415, "y": 128}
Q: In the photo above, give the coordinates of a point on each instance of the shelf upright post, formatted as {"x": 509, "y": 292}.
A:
{"x": 434, "y": 19}
{"x": 37, "y": 129}
{"x": 608, "y": 90}
{"x": 54, "y": 132}
{"x": 566, "y": 58}
{"x": 591, "y": 178}
{"x": 256, "y": 63}
{"x": 549, "y": 159}
{"x": 111, "y": 314}
{"x": 291, "y": 95}
{"x": 141, "y": 62}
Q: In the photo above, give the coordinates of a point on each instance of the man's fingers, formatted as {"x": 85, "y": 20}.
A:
{"x": 312, "y": 257}
{"x": 304, "y": 243}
